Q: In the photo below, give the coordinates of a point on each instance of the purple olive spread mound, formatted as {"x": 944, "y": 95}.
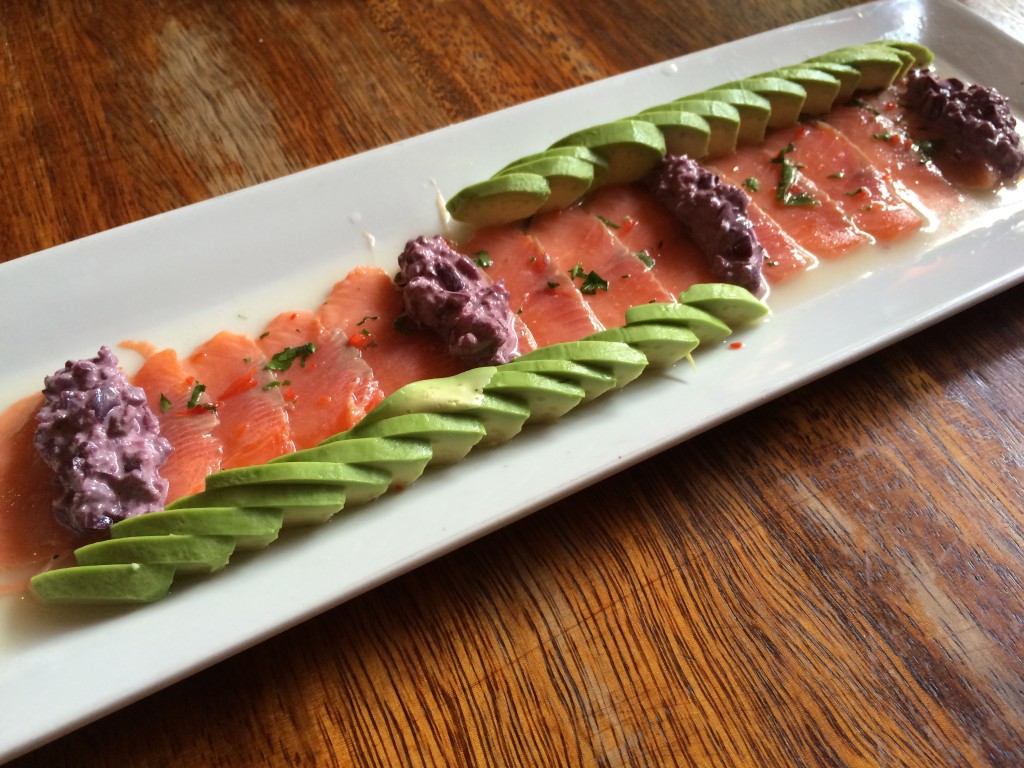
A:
{"x": 98, "y": 434}
{"x": 715, "y": 215}
{"x": 449, "y": 294}
{"x": 969, "y": 127}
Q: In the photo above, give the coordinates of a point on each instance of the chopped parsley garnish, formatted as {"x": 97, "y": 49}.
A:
{"x": 193, "y": 400}
{"x": 646, "y": 259}
{"x": 165, "y": 403}
{"x": 577, "y": 271}
{"x": 857, "y": 191}
{"x": 593, "y": 283}
{"x": 368, "y": 317}
{"x": 752, "y": 184}
{"x": 837, "y": 175}
{"x": 482, "y": 259}
{"x": 787, "y": 178}
{"x": 883, "y": 136}
{"x": 607, "y": 223}
{"x": 553, "y": 284}
{"x": 264, "y": 334}
{"x": 283, "y": 360}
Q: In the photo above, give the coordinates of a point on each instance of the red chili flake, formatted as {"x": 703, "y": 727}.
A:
{"x": 736, "y": 345}
{"x": 360, "y": 340}
{"x": 627, "y": 225}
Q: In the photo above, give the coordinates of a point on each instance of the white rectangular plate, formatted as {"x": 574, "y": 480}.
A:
{"x": 235, "y": 261}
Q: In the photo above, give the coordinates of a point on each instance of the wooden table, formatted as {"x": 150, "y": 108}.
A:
{"x": 832, "y": 579}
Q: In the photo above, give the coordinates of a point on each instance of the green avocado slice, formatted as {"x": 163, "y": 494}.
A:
{"x": 298, "y": 503}
{"x": 250, "y": 527}
{"x": 662, "y": 345}
{"x": 879, "y": 65}
{"x": 500, "y": 199}
{"x": 733, "y": 305}
{"x": 822, "y": 88}
{"x": 723, "y": 123}
{"x": 594, "y": 382}
{"x": 848, "y": 77}
{"x": 706, "y": 327}
{"x": 786, "y": 97}
{"x": 686, "y": 133}
{"x": 754, "y": 109}
{"x": 450, "y": 435}
{"x": 361, "y": 483}
{"x": 568, "y": 178}
{"x": 121, "y": 583}
{"x": 548, "y": 399}
{"x": 631, "y": 148}
{"x": 187, "y": 553}
{"x": 616, "y": 358}
{"x": 404, "y": 460}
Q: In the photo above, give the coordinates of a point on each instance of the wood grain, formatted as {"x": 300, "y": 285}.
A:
{"x": 832, "y": 579}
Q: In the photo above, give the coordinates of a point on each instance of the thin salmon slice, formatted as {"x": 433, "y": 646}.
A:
{"x": 874, "y": 128}
{"x": 187, "y": 419}
{"x": 327, "y": 385}
{"x": 579, "y": 241}
{"x": 786, "y": 257}
{"x": 841, "y": 170}
{"x": 31, "y": 539}
{"x": 252, "y": 425}
{"x": 366, "y": 307}
{"x": 546, "y": 301}
{"x": 822, "y": 228}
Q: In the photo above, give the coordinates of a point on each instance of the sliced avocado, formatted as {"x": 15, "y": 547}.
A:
{"x": 908, "y": 59}
{"x": 548, "y": 399}
{"x": 733, "y": 305}
{"x": 786, "y": 97}
{"x": 754, "y": 111}
{"x": 686, "y": 133}
{"x": 502, "y": 417}
{"x": 922, "y": 54}
{"x": 500, "y": 199}
{"x": 723, "y": 123}
{"x": 576, "y": 152}
{"x": 250, "y": 527}
{"x": 848, "y": 77}
{"x": 594, "y": 382}
{"x": 631, "y": 147}
{"x": 568, "y": 178}
{"x": 822, "y": 88}
{"x": 616, "y": 358}
{"x": 878, "y": 65}
{"x": 451, "y": 435}
{"x": 662, "y": 345}
{"x": 404, "y": 460}
{"x": 299, "y": 504}
{"x": 706, "y": 327}
{"x": 104, "y": 584}
{"x": 361, "y": 484}
{"x": 188, "y": 553}
{"x": 451, "y": 394}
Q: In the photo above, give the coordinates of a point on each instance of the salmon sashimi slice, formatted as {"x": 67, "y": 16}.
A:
{"x": 327, "y": 385}
{"x": 188, "y": 419}
{"x": 253, "y": 426}
{"x": 875, "y": 129}
{"x": 786, "y": 257}
{"x": 610, "y": 276}
{"x": 818, "y": 226}
{"x": 367, "y": 308}
{"x": 841, "y": 170}
{"x": 653, "y": 233}
{"x": 546, "y": 301}
{"x": 31, "y": 539}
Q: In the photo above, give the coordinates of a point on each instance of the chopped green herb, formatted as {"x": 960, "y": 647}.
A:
{"x": 368, "y": 317}
{"x": 607, "y": 223}
{"x": 752, "y": 184}
{"x": 165, "y": 403}
{"x": 482, "y": 259}
{"x": 553, "y": 284}
{"x": 863, "y": 105}
{"x": 837, "y": 175}
{"x": 857, "y": 191}
{"x": 264, "y": 334}
{"x": 577, "y": 271}
{"x": 193, "y": 400}
{"x": 926, "y": 149}
{"x": 272, "y": 384}
{"x": 593, "y": 283}
{"x": 283, "y": 360}
{"x": 787, "y": 178}
{"x": 883, "y": 136}
{"x": 645, "y": 258}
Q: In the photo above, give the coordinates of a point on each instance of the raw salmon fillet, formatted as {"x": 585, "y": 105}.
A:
{"x": 329, "y": 387}
{"x": 877, "y": 134}
{"x": 252, "y": 424}
{"x": 842, "y": 171}
{"x": 191, "y": 430}
{"x": 31, "y": 539}
{"x": 574, "y": 239}
{"x": 822, "y": 229}
{"x": 365, "y": 307}
{"x": 547, "y": 303}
